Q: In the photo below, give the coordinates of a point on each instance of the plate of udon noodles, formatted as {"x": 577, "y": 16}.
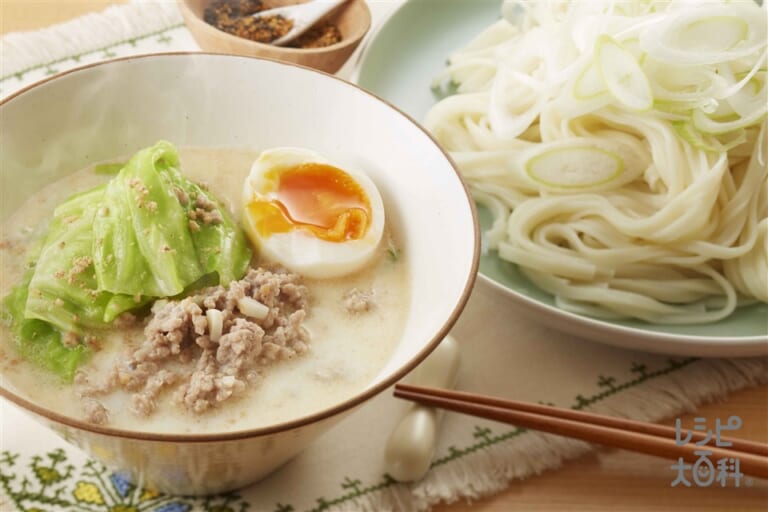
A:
{"x": 617, "y": 152}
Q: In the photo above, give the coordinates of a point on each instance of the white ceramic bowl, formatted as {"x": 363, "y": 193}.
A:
{"x": 112, "y": 109}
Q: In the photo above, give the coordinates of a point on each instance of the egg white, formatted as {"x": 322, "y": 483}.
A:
{"x": 300, "y": 250}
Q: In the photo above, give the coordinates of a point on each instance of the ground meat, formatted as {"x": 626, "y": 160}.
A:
{"x": 239, "y": 346}
{"x": 182, "y": 196}
{"x": 287, "y": 339}
{"x": 125, "y": 320}
{"x": 171, "y": 325}
{"x": 178, "y": 351}
{"x": 78, "y": 267}
{"x": 70, "y": 339}
{"x": 92, "y": 342}
{"x": 205, "y": 212}
{"x": 212, "y": 217}
{"x": 222, "y": 367}
{"x": 358, "y": 301}
{"x": 15, "y": 246}
{"x": 94, "y": 411}
{"x": 196, "y": 394}
{"x": 143, "y": 402}
{"x": 86, "y": 389}
{"x": 133, "y": 376}
{"x": 141, "y": 191}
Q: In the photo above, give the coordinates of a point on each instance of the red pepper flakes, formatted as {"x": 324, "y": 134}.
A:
{"x": 324, "y": 34}
{"x": 235, "y": 17}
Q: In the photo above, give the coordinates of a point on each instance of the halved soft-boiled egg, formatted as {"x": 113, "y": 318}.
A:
{"x": 310, "y": 215}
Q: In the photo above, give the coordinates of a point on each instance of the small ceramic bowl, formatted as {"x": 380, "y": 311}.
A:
{"x": 114, "y": 108}
{"x": 353, "y": 20}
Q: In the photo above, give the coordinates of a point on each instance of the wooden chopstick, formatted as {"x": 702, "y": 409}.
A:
{"x": 587, "y": 417}
{"x": 609, "y": 431}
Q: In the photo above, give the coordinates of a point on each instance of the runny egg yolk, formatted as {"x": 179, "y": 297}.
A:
{"x": 316, "y": 197}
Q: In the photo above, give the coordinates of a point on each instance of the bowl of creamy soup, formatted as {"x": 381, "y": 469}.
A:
{"x": 209, "y": 260}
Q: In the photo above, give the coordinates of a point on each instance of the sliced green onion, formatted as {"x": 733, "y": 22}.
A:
{"x": 576, "y": 167}
{"x": 589, "y": 84}
{"x": 707, "y": 34}
{"x": 623, "y": 75}
{"x": 713, "y": 34}
{"x": 751, "y": 97}
{"x": 687, "y": 132}
{"x": 706, "y": 124}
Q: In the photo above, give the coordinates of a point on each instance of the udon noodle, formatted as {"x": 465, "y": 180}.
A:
{"x": 621, "y": 148}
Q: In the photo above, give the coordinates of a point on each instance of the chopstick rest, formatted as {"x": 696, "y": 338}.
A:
{"x": 411, "y": 445}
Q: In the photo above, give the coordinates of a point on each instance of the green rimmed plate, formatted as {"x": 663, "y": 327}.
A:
{"x": 399, "y": 63}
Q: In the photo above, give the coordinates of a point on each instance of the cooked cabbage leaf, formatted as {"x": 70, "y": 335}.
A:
{"x": 63, "y": 289}
{"x": 147, "y": 239}
{"x": 219, "y": 245}
{"x": 108, "y": 169}
{"x": 39, "y": 341}
{"x": 148, "y": 233}
{"x": 143, "y": 240}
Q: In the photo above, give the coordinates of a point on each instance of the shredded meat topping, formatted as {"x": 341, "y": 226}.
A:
{"x": 78, "y": 267}
{"x": 205, "y": 212}
{"x": 205, "y": 364}
{"x": 95, "y": 412}
{"x": 358, "y": 301}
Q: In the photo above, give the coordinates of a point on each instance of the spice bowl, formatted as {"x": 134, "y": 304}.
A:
{"x": 353, "y": 20}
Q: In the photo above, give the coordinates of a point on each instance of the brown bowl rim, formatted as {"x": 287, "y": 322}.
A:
{"x": 302, "y": 421}
{"x": 201, "y": 24}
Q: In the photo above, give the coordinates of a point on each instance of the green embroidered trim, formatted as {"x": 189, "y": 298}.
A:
{"x": 107, "y": 53}
{"x": 580, "y": 403}
{"x": 54, "y": 485}
{"x": 486, "y": 438}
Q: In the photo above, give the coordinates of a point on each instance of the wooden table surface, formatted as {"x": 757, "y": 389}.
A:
{"x": 610, "y": 480}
